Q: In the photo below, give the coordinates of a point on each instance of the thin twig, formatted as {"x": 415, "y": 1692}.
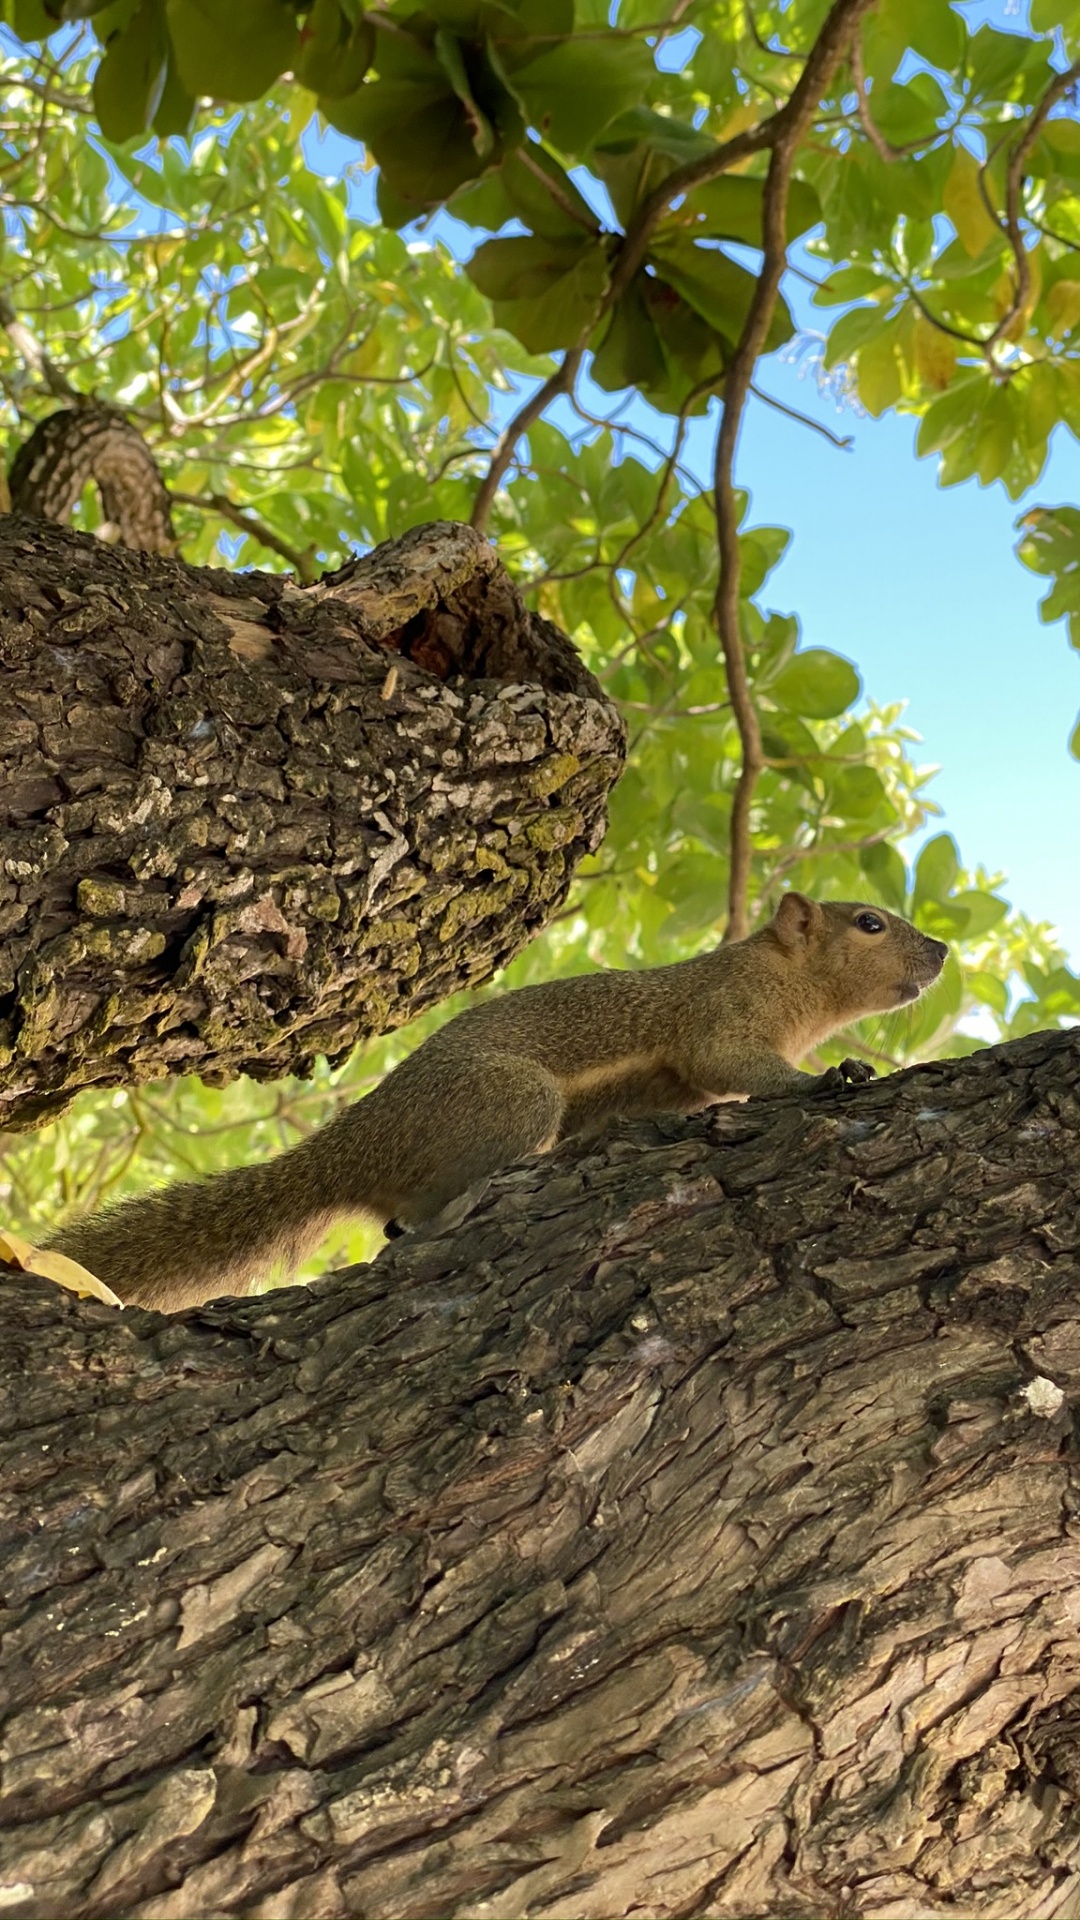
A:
{"x": 670, "y": 467}
{"x": 877, "y": 139}
{"x": 843, "y": 441}
{"x": 775, "y": 53}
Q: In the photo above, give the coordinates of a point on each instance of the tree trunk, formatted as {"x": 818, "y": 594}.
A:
{"x": 242, "y": 823}
{"x": 691, "y": 1532}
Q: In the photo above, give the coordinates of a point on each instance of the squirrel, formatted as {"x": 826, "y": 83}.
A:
{"x": 514, "y": 1076}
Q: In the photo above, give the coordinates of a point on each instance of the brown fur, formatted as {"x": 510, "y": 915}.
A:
{"x": 510, "y": 1078}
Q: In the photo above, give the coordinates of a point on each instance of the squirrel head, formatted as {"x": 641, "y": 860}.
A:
{"x": 865, "y": 959}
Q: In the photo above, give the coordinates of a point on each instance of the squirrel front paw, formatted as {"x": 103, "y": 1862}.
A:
{"x": 853, "y": 1073}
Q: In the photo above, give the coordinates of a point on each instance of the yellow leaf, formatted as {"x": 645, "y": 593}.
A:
{"x": 878, "y": 374}
{"x": 746, "y": 114}
{"x": 55, "y": 1266}
{"x": 1063, "y": 305}
{"x": 935, "y": 354}
{"x": 965, "y": 206}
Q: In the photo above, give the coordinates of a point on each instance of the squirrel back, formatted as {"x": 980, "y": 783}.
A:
{"x": 512, "y": 1077}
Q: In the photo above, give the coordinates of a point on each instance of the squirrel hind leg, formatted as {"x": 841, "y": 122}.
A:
{"x": 508, "y": 1117}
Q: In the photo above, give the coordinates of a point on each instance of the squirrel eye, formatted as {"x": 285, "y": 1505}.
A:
{"x": 869, "y": 923}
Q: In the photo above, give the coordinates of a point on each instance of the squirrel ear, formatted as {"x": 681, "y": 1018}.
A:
{"x": 795, "y": 919}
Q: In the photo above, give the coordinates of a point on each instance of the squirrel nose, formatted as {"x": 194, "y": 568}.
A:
{"x": 941, "y": 950}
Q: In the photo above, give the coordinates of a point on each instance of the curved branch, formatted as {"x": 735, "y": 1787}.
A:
{"x": 1059, "y": 86}
{"x": 505, "y": 446}
{"x": 821, "y": 64}
{"x": 786, "y": 125}
{"x": 877, "y": 139}
{"x": 249, "y": 523}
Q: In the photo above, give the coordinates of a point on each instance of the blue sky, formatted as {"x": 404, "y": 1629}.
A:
{"x": 920, "y": 586}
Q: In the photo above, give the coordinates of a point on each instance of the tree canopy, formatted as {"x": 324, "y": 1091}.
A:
{"x": 488, "y": 261}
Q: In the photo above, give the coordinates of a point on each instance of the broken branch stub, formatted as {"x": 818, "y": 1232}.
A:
{"x": 243, "y": 823}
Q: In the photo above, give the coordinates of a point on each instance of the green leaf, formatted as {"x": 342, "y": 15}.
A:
{"x": 988, "y": 988}
{"x": 886, "y": 873}
{"x": 131, "y": 75}
{"x": 715, "y": 286}
{"x": 483, "y": 203}
{"x": 232, "y": 49}
{"x": 30, "y": 20}
{"x": 817, "y": 683}
{"x": 542, "y": 194}
{"x": 730, "y": 209}
{"x": 450, "y": 56}
{"x": 982, "y": 911}
{"x": 638, "y": 150}
{"x": 879, "y": 374}
{"x": 630, "y": 353}
{"x": 419, "y": 130}
{"x": 176, "y": 106}
{"x": 544, "y": 292}
{"x": 935, "y": 870}
{"x": 996, "y": 62}
{"x": 335, "y": 51}
{"x": 909, "y": 113}
{"x": 661, "y": 131}
{"x": 957, "y": 413}
{"x": 851, "y": 332}
{"x": 572, "y": 91}
{"x": 853, "y": 283}
{"x": 931, "y": 28}
{"x": 856, "y": 792}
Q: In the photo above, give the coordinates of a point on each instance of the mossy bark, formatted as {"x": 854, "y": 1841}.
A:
{"x": 242, "y": 823}
{"x": 693, "y": 1531}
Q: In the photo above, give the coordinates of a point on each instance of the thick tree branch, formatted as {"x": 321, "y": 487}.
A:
{"x": 690, "y": 1532}
{"x": 244, "y": 822}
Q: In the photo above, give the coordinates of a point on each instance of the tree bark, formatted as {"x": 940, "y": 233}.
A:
{"x": 242, "y": 823}
{"x": 693, "y": 1531}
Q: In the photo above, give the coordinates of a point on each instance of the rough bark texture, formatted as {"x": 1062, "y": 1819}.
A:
{"x": 694, "y": 1531}
{"x": 242, "y": 823}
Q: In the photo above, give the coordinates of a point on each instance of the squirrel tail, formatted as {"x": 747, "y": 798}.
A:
{"x": 198, "y": 1239}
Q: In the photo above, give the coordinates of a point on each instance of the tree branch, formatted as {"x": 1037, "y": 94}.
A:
{"x": 505, "y": 446}
{"x": 877, "y": 139}
{"x": 821, "y": 64}
{"x": 788, "y": 127}
{"x": 29, "y": 347}
{"x": 1059, "y": 86}
{"x": 249, "y": 523}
